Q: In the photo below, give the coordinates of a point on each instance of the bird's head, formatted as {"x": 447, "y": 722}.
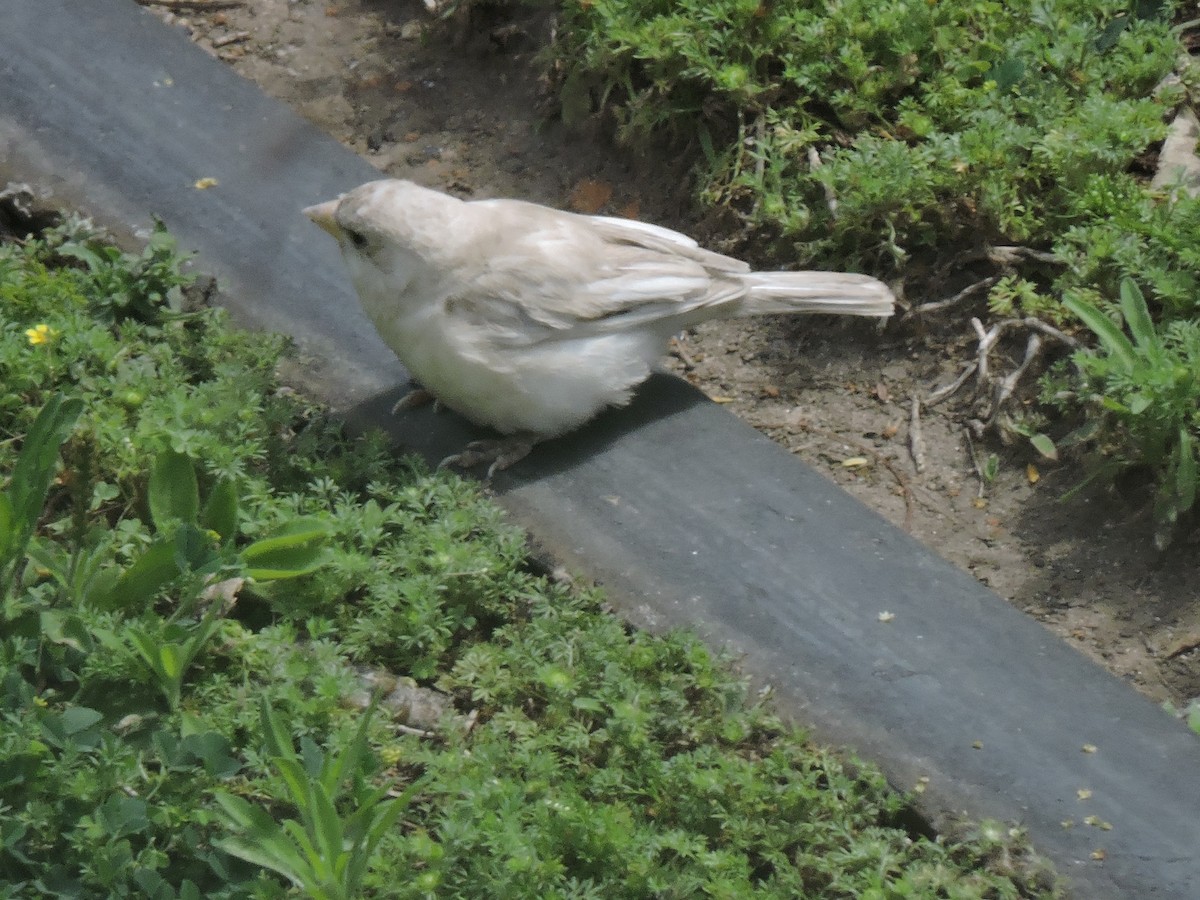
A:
{"x": 387, "y": 231}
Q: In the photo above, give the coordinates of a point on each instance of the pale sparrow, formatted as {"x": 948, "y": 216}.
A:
{"x": 531, "y": 320}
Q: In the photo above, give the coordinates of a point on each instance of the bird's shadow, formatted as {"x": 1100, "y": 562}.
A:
{"x": 436, "y": 434}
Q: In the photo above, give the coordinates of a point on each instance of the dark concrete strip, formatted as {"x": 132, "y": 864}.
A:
{"x": 688, "y": 516}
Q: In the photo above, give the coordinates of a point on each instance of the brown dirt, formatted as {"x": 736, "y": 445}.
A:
{"x": 459, "y": 105}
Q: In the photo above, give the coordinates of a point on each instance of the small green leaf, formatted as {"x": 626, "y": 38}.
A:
{"x": 140, "y": 583}
{"x": 278, "y": 738}
{"x": 991, "y": 468}
{"x": 170, "y": 661}
{"x": 1185, "y": 471}
{"x": 1085, "y": 432}
{"x": 294, "y": 778}
{"x": 73, "y": 727}
{"x": 174, "y": 495}
{"x": 78, "y": 718}
{"x": 1112, "y": 33}
{"x": 121, "y": 815}
{"x": 145, "y": 645}
{"x": 193, "y": 548}
{"x": 8, "y": 529}
{"x": 34, "y": 469}
{"x": 327, "y": 824}
{"x": 264, "y": 844}
{"x": 101, "y": 587}
{"x": 214, "y": 751}
{"x": 69, "y": 630}
{"x": 221, "y": 509}
{"x": 1007, "y": 73}
{"x": 1137, "y": 317}
{"x": 297, "y": 550}
{"x": 1045, "y": 446}
{"x": 86, "y": 255}
{"x": 241, "y": 814}
{"x": 1110, "y": 336}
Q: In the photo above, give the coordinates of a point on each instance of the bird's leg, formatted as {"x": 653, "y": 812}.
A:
{"x": 501, "y": 453}
{"x": 414, "y": 398}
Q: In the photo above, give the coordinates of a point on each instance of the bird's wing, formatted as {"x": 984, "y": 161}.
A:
{"x": 654, "y": 237}
{"x": 547, "y": 275}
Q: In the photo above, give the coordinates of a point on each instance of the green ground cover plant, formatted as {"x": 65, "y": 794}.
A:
{"x": 201, "y": 578}
{"x": 902, "y": 138}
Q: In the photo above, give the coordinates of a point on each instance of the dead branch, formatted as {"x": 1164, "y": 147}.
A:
{"x": 418, "y": 732}
{"x": 981, "y": 367}
{"x": 677, "y": 350}
{"x": 469, "y": 723}
{"x": 1051, "y": 332}
{"x": 965, "y": 294}
{"x": 1009, "y": 384}
{"x": 1009, "y": 256}
{"x": 1005, "y": 256}
{"x": 974, "y": 460}
{"x": 236, "y": 38}
{"x": 987, "y": 340}
{"x": 948, "y": 390}
{"x": 916, "y": 440}
{"x": 760, "y": 138}
{"x": 814, "y": 163}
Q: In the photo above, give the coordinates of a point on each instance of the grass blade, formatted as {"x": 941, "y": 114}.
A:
{"x": 1111, "y": 337}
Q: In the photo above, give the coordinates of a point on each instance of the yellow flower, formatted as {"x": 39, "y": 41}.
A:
{"x": 41, "y": 334}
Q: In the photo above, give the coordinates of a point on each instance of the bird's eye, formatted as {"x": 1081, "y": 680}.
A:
{"x": 357, "y": 238}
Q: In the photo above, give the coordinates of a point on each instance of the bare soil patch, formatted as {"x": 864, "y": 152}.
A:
{"x": 460, "y": 105}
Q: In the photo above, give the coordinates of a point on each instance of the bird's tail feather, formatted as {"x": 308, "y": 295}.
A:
{"x": 816, "y": 292}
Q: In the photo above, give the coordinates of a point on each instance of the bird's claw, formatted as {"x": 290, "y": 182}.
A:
{"x": 414, "y": 398}
{"x": 499, "y": 453}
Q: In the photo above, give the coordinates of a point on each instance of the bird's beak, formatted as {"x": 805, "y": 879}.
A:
{"x": 322, "y": 216}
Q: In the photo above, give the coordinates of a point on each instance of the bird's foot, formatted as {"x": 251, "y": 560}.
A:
{"x": 500, "y": 453}
{"x": 414, "y": 398}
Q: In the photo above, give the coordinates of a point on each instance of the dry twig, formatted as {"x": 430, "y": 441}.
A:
{"x": 1010, "y": 256}
{"x": 939, "y": 394}
{"x": 471, "y": 720}
{"x": 974, "y": 460}
{"x": 981, "y": 366}
{"x": 814, "y": 163}
{"x": 987, "y": 340}
{"x": 966, "y": 293}
{"x": 916, "y": 440}
{"x": 235, "y": 38}
{"x": 677, "y": 350}
{"x": 760, "y": 137}
{"x": 408, "y": 729}
{"x": 1050, "y": 331}
{"x": 1032, "y": 348}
